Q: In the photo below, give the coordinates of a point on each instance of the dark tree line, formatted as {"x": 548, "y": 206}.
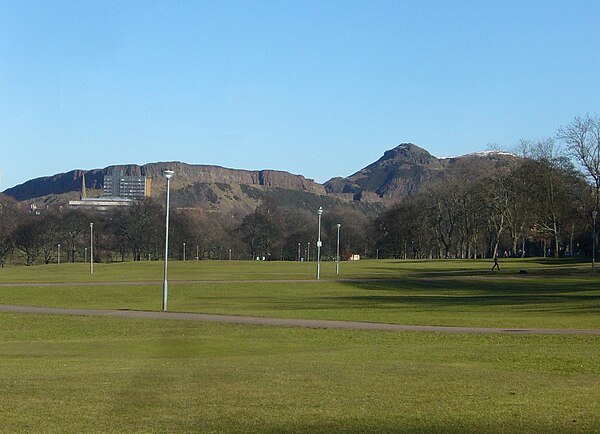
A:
{"x": 137, "y": 233}
{"x": 285, "y": 233}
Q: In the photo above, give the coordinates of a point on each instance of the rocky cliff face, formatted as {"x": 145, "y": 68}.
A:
{"x": 185, "y": 174}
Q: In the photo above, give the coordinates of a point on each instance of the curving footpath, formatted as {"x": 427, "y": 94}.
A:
{"x": 287, "y": 322}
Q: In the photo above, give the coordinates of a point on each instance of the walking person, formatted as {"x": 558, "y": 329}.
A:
{"x": 496, "y": 265}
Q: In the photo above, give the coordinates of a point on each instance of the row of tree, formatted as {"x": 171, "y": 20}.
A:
{"x": 137, "y": 233}
{"x": 539, "y": 203}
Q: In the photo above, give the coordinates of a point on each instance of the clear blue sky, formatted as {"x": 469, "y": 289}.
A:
{"x": 319, "y": 88}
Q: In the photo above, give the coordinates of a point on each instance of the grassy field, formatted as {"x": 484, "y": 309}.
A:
{"x": 89, "y": 374}
{"x": 552, "y": 294}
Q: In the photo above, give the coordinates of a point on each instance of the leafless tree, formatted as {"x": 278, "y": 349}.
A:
{"x": 582, "y": 137}
{"x": 8, "y": 223}
{"x": 554, "y": 185}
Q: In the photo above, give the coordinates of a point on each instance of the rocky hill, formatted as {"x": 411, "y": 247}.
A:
{"x": 186, "y": 174}
{"x": 408, "y": 169}
{"x": 401, "y": 172}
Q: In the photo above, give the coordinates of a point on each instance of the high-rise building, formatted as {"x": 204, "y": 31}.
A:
{"x": 128, "y": 187}
{"x": 119, "y": 190}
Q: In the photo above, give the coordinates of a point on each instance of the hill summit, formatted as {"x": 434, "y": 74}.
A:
{"x": 400, "y": 172}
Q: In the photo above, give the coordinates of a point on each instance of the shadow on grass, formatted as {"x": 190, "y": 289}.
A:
{"x": 491, "y": 300}
{"x": 473, "y": 286}
{"x": 478, "y": 267}
{"x": 486, "y": 289}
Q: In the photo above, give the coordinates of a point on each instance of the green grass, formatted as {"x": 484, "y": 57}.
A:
{"x": 77, "y": 374}
{"x": 277, "y": 270}
{"x": 552, "y": 294}
{"x": 96, "y": 374}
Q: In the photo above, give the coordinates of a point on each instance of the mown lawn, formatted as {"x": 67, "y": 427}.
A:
{"x": 85, "y": 374}
{"x": 551, "y": 294}
{"x": 277, "y": 270}
{"x": 92, "y": 374}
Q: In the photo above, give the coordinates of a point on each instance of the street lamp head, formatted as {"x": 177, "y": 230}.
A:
{"x": 168, "y": 174}
{"x": 338, "y": 226}
{"x": 320, "y": 210}
{"x": 594, "y": 214}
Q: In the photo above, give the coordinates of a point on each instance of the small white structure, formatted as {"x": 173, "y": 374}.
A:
{"x": 354, "y": 257}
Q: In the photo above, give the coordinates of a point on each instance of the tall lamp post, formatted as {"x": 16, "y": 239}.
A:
{"x": 169, "y": 175}
{"x": 594, "y": 215}
{"x": 58, "y": 256}
{"x": 319, "y": 212}
{"x": 337, "y": 257}
{"x": 183, "y": 252}
{"x": 91, "y": 248}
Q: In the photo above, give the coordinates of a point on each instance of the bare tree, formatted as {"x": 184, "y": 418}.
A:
{"x": 404, "y": 230}
{"x": 264, "y": 230}
{"x": 28, "y": 239}
{"x": 48, "y": 229}
{"x": 554, "y": 185}
{"x": 445, "y": 213}
{"x": 582, "y": 137}
{"x": 8, "y": 219}
{"x": 74, "y": 222}
{"x": 354, "y": 233}
{"x": 143, "y": 226}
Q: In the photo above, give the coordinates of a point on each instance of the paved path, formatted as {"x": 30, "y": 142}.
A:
{"x": 286, "y": 322}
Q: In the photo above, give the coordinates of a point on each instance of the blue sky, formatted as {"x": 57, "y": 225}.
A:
{"x": 319, "y": 88}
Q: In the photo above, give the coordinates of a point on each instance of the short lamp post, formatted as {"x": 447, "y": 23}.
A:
{"x": 319, "y": 212}
{"x": 594, "y": 215}
{"x": 168, "y": 174}
{"x": 58, "y": 256}
{"x": 183, "y": 252}
{"x": 337, "y": 257}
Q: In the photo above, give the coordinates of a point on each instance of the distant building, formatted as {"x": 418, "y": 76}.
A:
{"x": 127, "y": 187}
{"x": 119, "y": 190}
{"x": 45, "y": 208}
{"x": 100, "y": 203}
